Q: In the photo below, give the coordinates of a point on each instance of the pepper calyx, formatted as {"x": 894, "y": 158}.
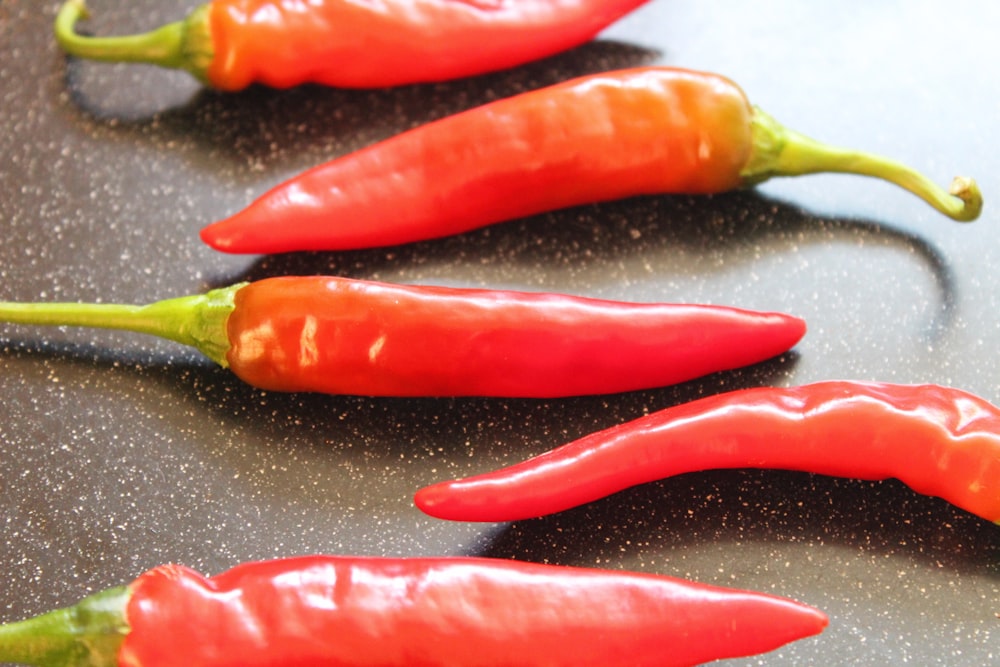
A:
{"x": 87, "y": 634}
{"x": 197, "y": 320}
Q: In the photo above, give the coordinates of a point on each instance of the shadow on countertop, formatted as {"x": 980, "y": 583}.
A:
{"x": 265, "y": 124}
{"x": 732, "y": 507}
{"x": 679, "y": 236}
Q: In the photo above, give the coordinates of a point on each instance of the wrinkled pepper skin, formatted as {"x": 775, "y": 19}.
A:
{"x": 600, "y": 138}
{"x": 329, "y": 611}
{"x": 939, "y": 441}
{"x": 231, "y": 44}
{"x": 603, "y": 137}
{"x": 284, "y": 43}
{"x": 336, "y": 335}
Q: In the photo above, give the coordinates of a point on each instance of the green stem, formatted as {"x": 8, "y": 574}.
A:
{"x": 87, "y": 634}
{"x": 198, "y": 320}
{"x": 183, "y": 44}
{"x": 779, "y": 151}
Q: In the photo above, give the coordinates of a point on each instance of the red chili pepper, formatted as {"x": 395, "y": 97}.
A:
{"x": 339, "y": 611}
{"x": 230, "y": 44}
{"x": 342, "y": 336}
{"x": 597, "y": 138}
{"x": 939, "y": 441}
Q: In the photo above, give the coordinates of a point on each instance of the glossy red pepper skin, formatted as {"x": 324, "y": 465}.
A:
{"x": 342, "y": 336}
{"x": 597, "y": 138}
{"x": 337, "y": 335}
{"x": 326, "y": 611}
{"x": 284, "y": 43}
{"x": 939, "y": 441}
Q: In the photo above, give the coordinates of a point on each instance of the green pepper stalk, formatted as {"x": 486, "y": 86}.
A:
{"x": 780, "y": 151}
{"x": 197, "y": 320}
{"x": 185, "y": 44}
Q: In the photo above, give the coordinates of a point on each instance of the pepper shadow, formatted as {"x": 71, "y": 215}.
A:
{"x": 201, "y": 392}
{"x": 411, "y": 440}
{"x": 186, "y": 373}
{"x": 307, "y": 124}
{"x": 335, "y": 452}
{"x": 673, "y": 238}
{"x": 721, "y": 509}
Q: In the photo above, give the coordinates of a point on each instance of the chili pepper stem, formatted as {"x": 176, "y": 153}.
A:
{"x": 779, "y": 151}
{"x": 198, "y": 320}
{"x": 87, "y": 634}
{"x": 185, "y": 44}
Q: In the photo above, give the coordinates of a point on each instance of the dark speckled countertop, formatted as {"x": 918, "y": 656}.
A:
{"x": 118, "y": 452}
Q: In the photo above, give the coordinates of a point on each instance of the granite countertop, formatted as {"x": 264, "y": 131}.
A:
{"x": 119, "y": 452}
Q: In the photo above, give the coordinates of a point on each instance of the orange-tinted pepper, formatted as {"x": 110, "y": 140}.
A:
{"x": 230, "y": 44}
{"x": 596, "y": 138}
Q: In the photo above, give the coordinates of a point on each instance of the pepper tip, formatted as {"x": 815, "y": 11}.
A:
{"x": 427, "y": 498}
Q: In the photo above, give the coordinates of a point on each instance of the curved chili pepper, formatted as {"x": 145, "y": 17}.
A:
{"x": 230, "y": 44}
{"x": 596, "y": 138}
{"x": 447, "y": 612}
{"x": 939, "y": 441}
{"x": 342, "y": 336}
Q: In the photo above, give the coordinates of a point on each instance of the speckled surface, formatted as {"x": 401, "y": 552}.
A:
{"x": 118, "y": 452}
